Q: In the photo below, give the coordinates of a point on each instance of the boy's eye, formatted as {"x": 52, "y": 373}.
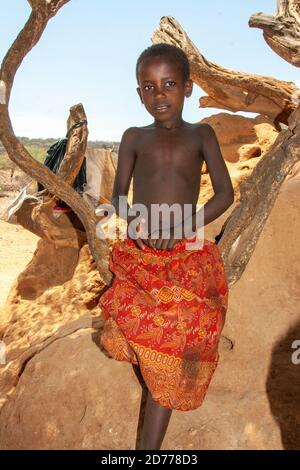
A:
{"x": 169, "y": 84}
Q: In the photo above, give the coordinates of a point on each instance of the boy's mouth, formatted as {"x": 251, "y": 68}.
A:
{"x": 161, "y": 107}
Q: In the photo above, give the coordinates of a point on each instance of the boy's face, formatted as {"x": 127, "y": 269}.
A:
{"x": 161, "y": 87}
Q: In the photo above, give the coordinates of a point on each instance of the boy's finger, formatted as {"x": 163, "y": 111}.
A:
{"x": 158, "y": 243}
{"x": 152, "y": 237}
{"x": 139, "y": 243}
{"x": 164, "y": 245}
{"x": 150, "y": 243}
{"x": 145, "y": 242}
{"x": 171, "y": 244}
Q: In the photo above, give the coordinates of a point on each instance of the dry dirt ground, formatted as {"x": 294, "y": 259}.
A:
{"x": 16, "y": 248}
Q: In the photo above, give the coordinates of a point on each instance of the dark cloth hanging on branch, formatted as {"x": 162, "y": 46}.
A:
{"x": 53, "y": 159}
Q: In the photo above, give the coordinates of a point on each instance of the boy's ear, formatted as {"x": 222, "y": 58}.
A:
{"x": 188, "y": 88}
{"x": 140, "y": 94}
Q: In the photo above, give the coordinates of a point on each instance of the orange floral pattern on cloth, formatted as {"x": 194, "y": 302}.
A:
{"x": 164, "y": 312}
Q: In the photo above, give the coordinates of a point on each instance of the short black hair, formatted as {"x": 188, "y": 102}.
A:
{"x": 174, "y": 52}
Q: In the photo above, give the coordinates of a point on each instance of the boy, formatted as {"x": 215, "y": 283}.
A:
{"x": 166, "y": 307}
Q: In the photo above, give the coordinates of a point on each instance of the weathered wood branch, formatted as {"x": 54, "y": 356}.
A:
{"x": 76, "y": 147}
{"x": 37, "y": 217}
{"x": 227, "y": 88}
{"x": 47, "y": 7}
{"x": 258, "y": 193}
{"x": 28, "y": 37}
{"x": 281, "y": 32}
{"x": 42, "y": 11}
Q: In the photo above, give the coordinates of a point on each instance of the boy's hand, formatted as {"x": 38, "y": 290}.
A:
{"x": 140, "y": 242}
{"x": 158, "y": 240}
{"x": 164, "y": 239}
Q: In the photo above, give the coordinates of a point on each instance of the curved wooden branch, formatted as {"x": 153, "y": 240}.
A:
{"x": 76, "y": 147}
{"x": 227, "y": 88}
{"x": 38, "y": 217}
{"x": 42, "y": 11}
{"x": 281, "y": 32}
{"x": 48, "y": 7}
{"x": 258, "y": 193}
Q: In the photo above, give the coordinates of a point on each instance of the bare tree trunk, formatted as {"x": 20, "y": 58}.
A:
{"x": 257, "y": 196}
{"x": 42, "y": 11}
{"x": 37, "y": 217}
{"x": 281, "y": 7}
{"x": 282, "y": 32}
{"x": 76, "y": 147}
{"x": 227, "y": 88}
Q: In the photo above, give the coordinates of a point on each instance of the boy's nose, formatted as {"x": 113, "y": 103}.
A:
{"x": 160, "y": 92}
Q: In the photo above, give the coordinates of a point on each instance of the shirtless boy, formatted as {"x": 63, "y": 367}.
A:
{"x": 165, "y": 160}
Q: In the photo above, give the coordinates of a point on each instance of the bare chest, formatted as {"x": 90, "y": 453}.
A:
{"x": 168, "y": 153}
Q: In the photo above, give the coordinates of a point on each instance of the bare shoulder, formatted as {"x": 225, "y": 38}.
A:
{"x": 204, "y": 129}
{"x": 207, "y": 137}
{"x": 130, "y": 134}
{"x": 129, "y": 140}
{"x": 145, "y": 129}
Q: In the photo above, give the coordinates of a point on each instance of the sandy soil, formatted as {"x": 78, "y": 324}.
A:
{"x": 16, "y": 248}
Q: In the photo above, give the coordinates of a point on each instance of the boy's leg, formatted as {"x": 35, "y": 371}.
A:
{"x": 156, "y": 420}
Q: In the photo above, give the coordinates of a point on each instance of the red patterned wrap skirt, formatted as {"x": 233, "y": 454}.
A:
{"x": 164, "y": 312}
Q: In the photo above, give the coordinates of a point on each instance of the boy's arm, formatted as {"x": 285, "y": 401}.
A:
{"x": 220, "y": 178}
{"x": 124, "y": 171}
{"x": 219, "y": 175}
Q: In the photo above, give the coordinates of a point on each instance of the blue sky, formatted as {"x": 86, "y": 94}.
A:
{"x": 89, "y": 49}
